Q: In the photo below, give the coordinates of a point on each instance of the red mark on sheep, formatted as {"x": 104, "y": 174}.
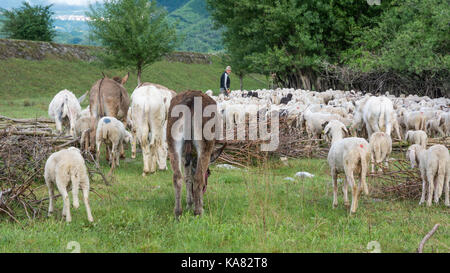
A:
{"x": 360, "y": 145}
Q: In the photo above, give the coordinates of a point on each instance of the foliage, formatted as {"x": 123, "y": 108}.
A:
{"x": 291, "y": 37}
{"x": 28, "y": 23}
{"x": 135, "y": 32}
{"x": 412, "y": 37}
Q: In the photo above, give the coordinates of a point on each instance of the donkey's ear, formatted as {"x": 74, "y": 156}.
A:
{"x": 125, "y": 79}
{"x": 217, "y": 153}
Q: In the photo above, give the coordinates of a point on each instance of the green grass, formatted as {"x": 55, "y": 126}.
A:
{"x": 245, "y": 211}
{"x": 34, "y": 83}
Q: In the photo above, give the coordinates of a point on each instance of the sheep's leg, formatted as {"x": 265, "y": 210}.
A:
{"x": 85, "y": 189}
{"x": 424, "y": 189}
{"x": 122, "y": 151}
{"x": 98, "y": 143}
{"x": 430, "y": 179}
{"x": 75, "y": 187}
{"x": 355, "y": 192}
{"x": 345, "y": 191}
{"x": 66, "y": 202}
{"x": 335, "y": 188}
{"x": 446, "y": 188}
{"x": 51, "y": 199}
{"x": 439, "y": 181}
{"x": 372, "y": 159}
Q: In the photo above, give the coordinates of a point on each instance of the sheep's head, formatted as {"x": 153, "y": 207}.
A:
{"x": 413, "y": 155}
{"x": 128, "y": 137}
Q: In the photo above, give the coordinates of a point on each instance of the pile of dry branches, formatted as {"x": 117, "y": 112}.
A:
{"x": 292, "y": 142}
{"x": 397, "y": 182}
{"x": 25, "y": 146}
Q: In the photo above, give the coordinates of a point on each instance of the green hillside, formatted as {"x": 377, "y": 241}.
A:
{"x": 38, "y": 81}
{"x": 195, "y": 24}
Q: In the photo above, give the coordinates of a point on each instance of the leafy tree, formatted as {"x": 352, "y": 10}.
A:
{"x": 134, "y": 32}
{"x": 292, "y": 38}
{"x": 28, "y": 23}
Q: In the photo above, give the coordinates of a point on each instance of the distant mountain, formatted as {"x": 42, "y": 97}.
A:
{"x": 191, "y": 16}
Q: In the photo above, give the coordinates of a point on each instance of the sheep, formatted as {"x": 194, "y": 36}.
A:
{"x": 64, "y": 109}
{"x": 112, "y": 132}
{"x": 415, "y": 120}
{"x": 381, "y": 148}
{"x": 434, "y": 166}
{"x": 82, "y": 130}
{"x": 335, "y": 130}
{"x": 351, "y": 156}
{"x": 417, "y": 137}
{"x": 433, "y": 127}
{"x": 61, "y": 168}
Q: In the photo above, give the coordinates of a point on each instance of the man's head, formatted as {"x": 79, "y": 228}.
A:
{"x": 228, "y": 69}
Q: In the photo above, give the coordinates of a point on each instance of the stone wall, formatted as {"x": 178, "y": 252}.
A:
{"x": 31, "y": 50}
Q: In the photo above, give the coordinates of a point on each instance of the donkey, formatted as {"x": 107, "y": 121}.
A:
{"x": 108, "y": 97}
{"x": 191, "y": 147}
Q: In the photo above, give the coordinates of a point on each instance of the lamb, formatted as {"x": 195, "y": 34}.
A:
{"x": 112, "y": 132}
{"x": 82, "y": 130}
{"x": 433, "y": 127}
{"x": 64, "y": 109}
{"x": 351, "y": 156}
{"x": 417, "y": 137}
{"x": 381, "y": 148}
{"x": 61, "y": 168}
{"x": 434, "y": 166}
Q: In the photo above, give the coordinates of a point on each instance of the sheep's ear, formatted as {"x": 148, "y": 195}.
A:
{"x": 125, "y": 79}
{"x": 217, "y": 153}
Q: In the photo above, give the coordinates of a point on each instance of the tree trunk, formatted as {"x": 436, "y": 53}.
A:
{"x": 241, "y": 81}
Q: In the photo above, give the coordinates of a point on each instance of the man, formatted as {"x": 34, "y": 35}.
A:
{"x": 225, "y": 81}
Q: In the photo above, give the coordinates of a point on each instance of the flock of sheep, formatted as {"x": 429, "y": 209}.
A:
{"x": 357, "y": 126}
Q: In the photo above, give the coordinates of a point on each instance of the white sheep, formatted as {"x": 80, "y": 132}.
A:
{"x": 112, "y": 132}
{"x": 61, "y": 168}
{"x": 351, "y": 156}
{"x": 381, "y": 148}
{"x": 64, "y": 109}
{"x": 335, "y": 130}
{"x": 434, "y": 166}
{"x": 82, "y": 130}
{"x": 417, "y": 137}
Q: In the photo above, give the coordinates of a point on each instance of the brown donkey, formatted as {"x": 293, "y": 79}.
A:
{"x": 191, "y": 145}
{"x": 108, "y": 97}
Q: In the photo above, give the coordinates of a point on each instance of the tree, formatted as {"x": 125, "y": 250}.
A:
{"x": 134, "y": 32}
{"x": 292, "y": 38}
{"x": 29, "y": 23}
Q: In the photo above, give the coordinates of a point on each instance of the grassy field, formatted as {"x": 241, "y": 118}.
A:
{"x": 252, "y": 210}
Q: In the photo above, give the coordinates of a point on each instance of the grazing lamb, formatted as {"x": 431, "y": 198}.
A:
{"x": 112, "y": 132}
{"x": 415, "y": 120}
{"x": 351, "y": 156}
{"x": 417, "y": 137}
{"x": 64, "y": 109}
{"x": 381, "y": 149}
{"x": 434, "y": 166}
{"x": 62, "y": 168}
{"x": 82, "y": 130}
{"x": 191, "y": 147}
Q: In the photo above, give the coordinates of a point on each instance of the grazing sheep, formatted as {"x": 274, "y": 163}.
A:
{"x": 417, "y": 137}
{"x": 415, "y": 120}
{"x": 82, "y": 130}
{"x": 381, "y": 148}
{"x": 433, "y": 127}
{"x": 62, "y": 168}
{"x": 64, "y": 109}
{"x": 434, "y": 166}
{"x": 351, "y": 156}
{"x": 112, "y": 132}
